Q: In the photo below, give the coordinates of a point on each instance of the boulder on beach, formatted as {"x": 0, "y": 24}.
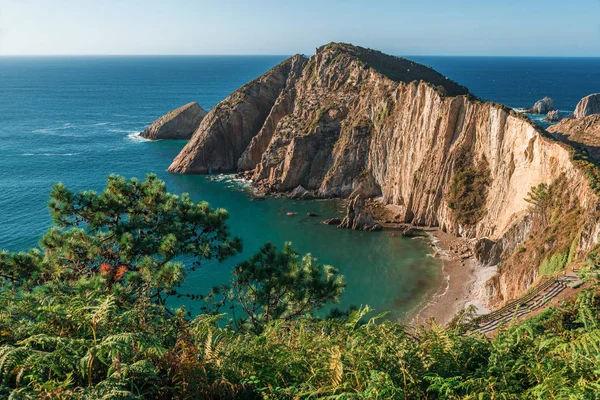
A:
{"x": 332, "y": 221}
{"x": 179, "y": 124}
{"x": 358, "y": 218}
{"x": 589, "y": 105}
{"x": 301, "y": 194}
{"x": 543, "y": 106}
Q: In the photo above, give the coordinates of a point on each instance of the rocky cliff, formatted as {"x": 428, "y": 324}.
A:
{"x": 179, "y": 124}
{"x": 351, "y": 121}
{"x": 589, "y": 105}
{"x": 581, "y": 133}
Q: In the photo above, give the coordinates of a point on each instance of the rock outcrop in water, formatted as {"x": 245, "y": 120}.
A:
{"x": 589, "y": 105}
{"x": 543, "y": 106}
{"x": 552, "y": 116}
{"x": 356, "y": 123}
{"x": 179, "y": 124}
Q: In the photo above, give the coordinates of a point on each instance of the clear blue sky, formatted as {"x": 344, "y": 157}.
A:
{"x": 424, "y": 27}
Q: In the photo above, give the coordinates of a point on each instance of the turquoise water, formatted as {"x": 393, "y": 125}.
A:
{"x": 74, "y": 120}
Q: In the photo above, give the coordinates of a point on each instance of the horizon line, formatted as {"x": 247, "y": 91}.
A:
{"x": 284, "y": 55}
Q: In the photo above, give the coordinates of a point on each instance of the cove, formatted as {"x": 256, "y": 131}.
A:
{"x": 75, "y": 120}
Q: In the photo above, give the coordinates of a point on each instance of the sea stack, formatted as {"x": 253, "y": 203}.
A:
{"x": 589, "y": 105}
{"x": 552, "y": 116}
{"x": 179, "y": 124}
{"x": 543, "y": 106}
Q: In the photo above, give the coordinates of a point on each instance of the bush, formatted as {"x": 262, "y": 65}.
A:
{"x": 554, "y": 264}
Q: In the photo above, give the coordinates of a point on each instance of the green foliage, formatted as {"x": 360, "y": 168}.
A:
{"x": 554, "y": 264}
{"x": 590, "y": 168}
{"x": 73, "y": 328}
{"x": 133, "y": 231}
{"x": 275, "y": 285}
{"x": 540, "y": 199}
{"x": 468, "y": 190}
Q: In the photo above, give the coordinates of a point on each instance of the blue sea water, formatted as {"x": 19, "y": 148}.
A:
{"x": 75, "y": 120}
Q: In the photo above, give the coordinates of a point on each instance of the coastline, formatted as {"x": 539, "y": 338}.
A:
{"x": 463, "y": 277}
{"x": 463, "y": 281}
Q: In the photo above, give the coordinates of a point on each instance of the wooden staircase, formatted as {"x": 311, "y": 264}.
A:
{"x": 534, "y": 299}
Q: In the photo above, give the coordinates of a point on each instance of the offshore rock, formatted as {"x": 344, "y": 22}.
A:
{"x": 543, "y": 106}
{"x": 589, "y": 105}
{"x": 553, "y": 116}
{"x": 179, "y": 124}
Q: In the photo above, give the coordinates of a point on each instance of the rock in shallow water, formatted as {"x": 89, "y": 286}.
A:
{"x": 179, "y": 124}
{"x": 358, "y": 218}
{"x": 553, "y": 116}
{"x": 543, "y": 106}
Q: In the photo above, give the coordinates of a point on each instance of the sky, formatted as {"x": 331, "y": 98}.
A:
{"x": 282, "y": 27}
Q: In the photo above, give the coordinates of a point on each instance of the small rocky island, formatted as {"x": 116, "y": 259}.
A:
{"x": 355, "y": 123}
{"x": 543, "y": 106}
{"x": 589, "y": 105}
{"x": 179, "y": 124}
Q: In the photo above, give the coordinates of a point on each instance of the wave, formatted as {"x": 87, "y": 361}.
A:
{"x": 134, "y": 136}
{"x": 43, "y": 155}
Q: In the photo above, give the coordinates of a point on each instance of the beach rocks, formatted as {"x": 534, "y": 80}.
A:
{"x": 332, "y": 221}
{"x": 179, "y": 124}
{"x": 357, "y": 217}
{"x": 553, "y": 116}
{"x": 311, "y": 214}
{"x": 410, "y": 231}
{"x": 301, "y": 194}
{"x": 589, "y": 105}
{"x": 543, "y": 106}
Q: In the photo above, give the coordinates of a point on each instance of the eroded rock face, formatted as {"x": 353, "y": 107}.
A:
{"x": 355, "y": 123}
{"x": 358, "y": 218}
{"x": 227, "y": 130}
{"x": 543, "y": 106}
{"x": 580, "y": 132}
{"x": 179, "y": 124}
{"x": 589, "y": 105}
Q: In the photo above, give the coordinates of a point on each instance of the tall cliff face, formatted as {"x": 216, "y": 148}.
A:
{"x": 179, "y": 124}
{"x": 355, "y": 121}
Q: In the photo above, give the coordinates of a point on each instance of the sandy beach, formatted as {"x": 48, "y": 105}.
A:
{"x": 463, "y": 277}
{"x": 463, "y": 280}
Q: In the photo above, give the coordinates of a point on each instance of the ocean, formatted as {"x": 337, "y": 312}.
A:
{"x": 75, "y": 120}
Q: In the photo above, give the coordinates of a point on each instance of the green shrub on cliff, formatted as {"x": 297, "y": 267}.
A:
{"x": 85, "y": 317}
{"x": 468, "y": 191}
{"x": 554, "y": 264}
